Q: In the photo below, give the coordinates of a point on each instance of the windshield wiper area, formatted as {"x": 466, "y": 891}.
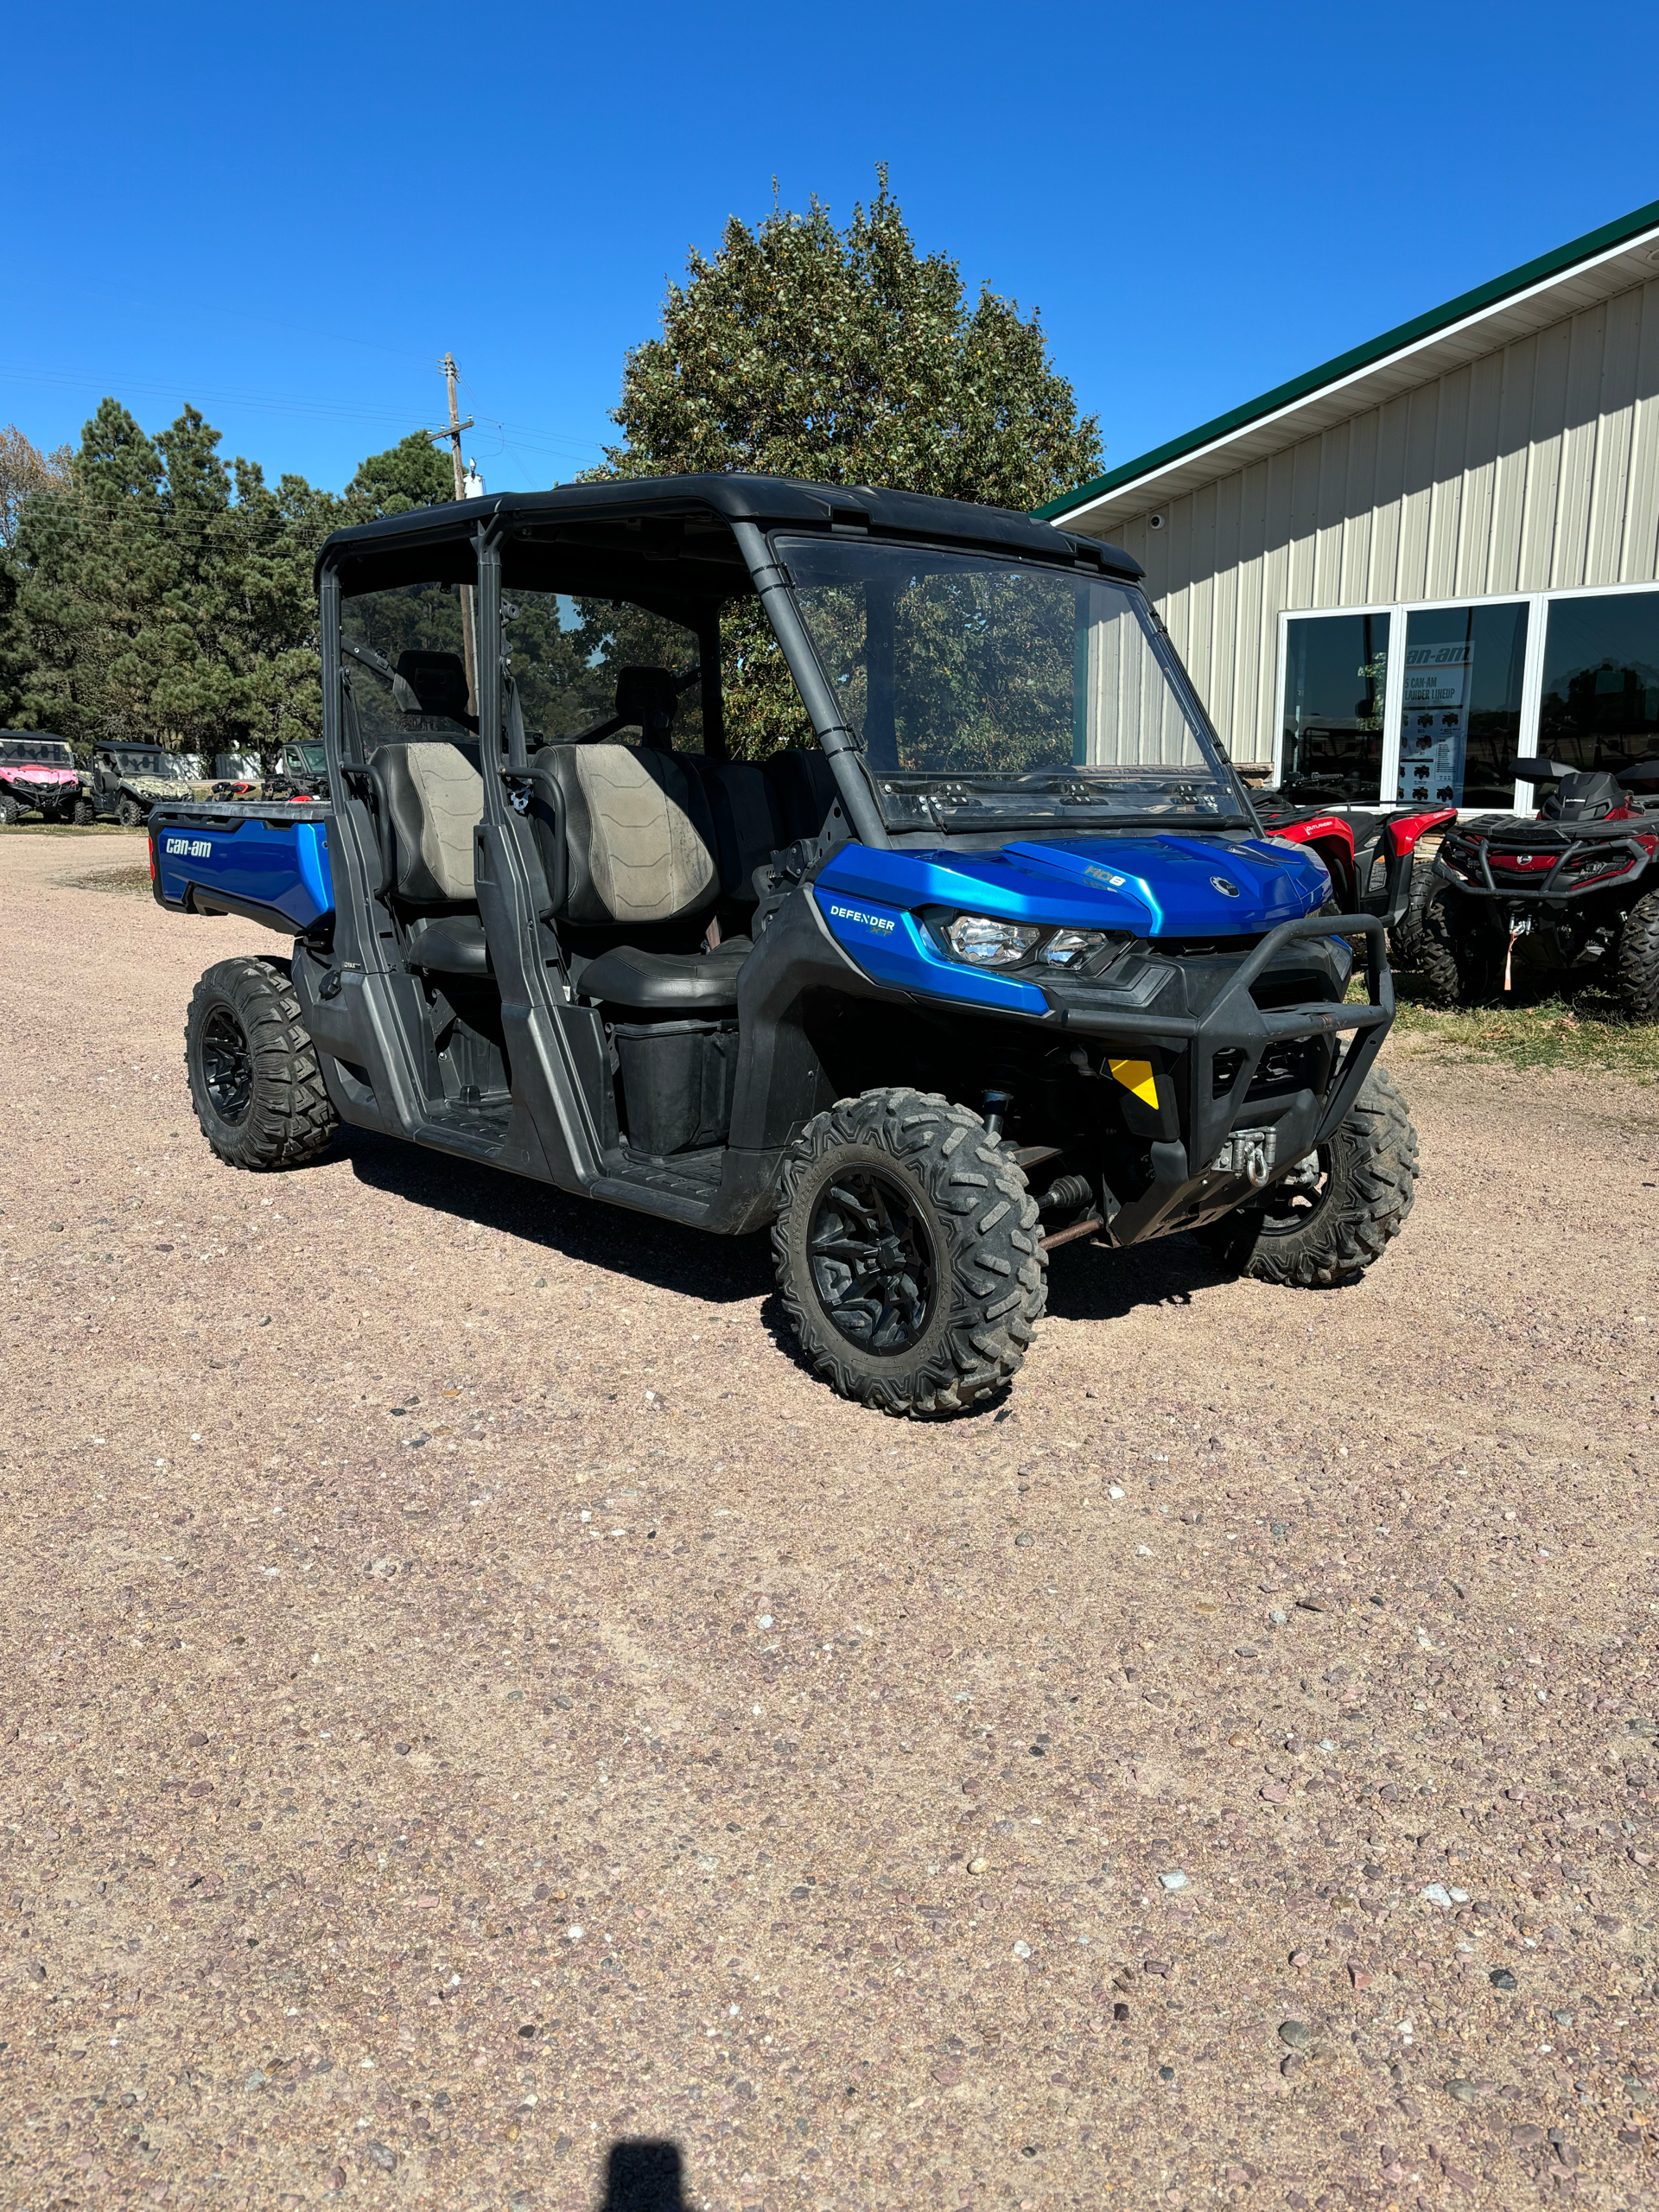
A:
{"x": 939, "y": 802}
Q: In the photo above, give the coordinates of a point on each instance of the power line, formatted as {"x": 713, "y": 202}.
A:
{"x": 258, "y": 403}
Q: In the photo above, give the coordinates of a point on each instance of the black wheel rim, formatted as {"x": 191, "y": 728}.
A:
{"x": 872, "y": 1262}
{"x": 226, "y": 1064}
{"x": 1293, "y": 1204}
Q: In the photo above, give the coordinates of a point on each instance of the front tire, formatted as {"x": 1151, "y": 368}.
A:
{"x": 1348, "y": 1202}
{"x": 908, "y": 1253}
{"x": 10, "y": 813}
{"x": 1451, "y": 945}
{"x": 130, "y": 814}
{"x": 254, "y": 1078}
{"x": 83, "y": 814}
{"x": 1639, "y": 959}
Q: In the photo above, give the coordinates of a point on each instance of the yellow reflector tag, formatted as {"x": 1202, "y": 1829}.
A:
{"x": 1137, "y": 1075}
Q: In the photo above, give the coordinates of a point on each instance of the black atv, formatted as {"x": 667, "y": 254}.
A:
{"x": 1573, "y": 894}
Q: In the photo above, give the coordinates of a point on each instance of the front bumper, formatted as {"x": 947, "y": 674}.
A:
{"x": 1208, "y": 1147}
{"x": 1585, "y": 866}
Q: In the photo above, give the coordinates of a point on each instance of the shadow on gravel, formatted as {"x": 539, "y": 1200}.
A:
{"x": 644, "y": 2177}
{"x": 727, "y": 1269}
{"x": 1088, "y": 1282}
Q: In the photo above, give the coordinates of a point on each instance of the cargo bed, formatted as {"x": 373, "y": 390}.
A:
{"x": 267, "y": 861}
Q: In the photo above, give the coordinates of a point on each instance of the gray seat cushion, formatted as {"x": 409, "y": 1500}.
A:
{"x": 665, "y": 983}
{"x": 433, "y": 799}
{"x": 638, "y": 835}
{"x": 453, "y": 946}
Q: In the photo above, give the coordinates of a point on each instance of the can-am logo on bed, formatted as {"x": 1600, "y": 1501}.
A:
{"x": 191, "y": 848}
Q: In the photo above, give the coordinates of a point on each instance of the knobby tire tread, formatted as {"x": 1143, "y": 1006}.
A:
{"x": 996, "y": 1267}
{"x": 1374, "y": 1170}
{"x": 290, "y": 1117}
{"x": 1639, "y": 959}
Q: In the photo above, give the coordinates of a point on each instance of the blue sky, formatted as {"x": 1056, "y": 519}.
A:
{"x": 286, "y": 215}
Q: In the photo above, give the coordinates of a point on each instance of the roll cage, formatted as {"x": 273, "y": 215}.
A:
{"x": 681, "y": 548}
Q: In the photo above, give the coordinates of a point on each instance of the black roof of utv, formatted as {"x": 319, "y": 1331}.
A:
{"x": 374, "y": 555}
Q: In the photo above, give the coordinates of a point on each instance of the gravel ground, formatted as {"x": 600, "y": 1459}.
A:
{"x": 473, "y": 1702}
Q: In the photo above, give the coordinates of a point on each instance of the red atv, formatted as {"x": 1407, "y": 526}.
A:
{"x": 1576, "y": 891}
{"x": 1368, "y": 853}
{"x": 36, "y": 774}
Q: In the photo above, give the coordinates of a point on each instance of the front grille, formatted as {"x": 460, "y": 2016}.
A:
{"x": 1296, "y": 1066}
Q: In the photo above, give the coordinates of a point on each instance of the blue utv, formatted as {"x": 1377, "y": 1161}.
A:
{"x": 750, "y": 853}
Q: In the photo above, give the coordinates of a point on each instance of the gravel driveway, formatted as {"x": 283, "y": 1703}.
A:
{"x": 473, "y": 1703}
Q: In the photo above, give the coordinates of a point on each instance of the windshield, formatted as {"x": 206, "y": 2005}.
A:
{"x": 308, "y": 757}
{"x": 986, "y": 692}
{"x": 33, "y": 753}
{"x": 160, "y": 768}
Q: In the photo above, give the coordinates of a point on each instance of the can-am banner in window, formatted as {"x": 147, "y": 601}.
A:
{"x": 1437, "y": 685}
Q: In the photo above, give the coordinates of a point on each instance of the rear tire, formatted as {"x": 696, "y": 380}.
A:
{"x": 254, "y": 1078}
{"x": 83, "y": 814}
{"x": 1639, "y": 959}
{"x": 1454, "y": 947}
{"x": 1329, "y": 1228}
{"x": 907, "y": 1252}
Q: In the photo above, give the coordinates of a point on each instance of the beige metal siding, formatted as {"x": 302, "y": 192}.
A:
{"x": 1533, "y": 468}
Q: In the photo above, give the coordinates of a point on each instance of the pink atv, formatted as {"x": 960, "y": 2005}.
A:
{"x": 39, "y": 773}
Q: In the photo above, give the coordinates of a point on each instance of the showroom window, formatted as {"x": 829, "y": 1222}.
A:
{"x": 1336, "y": 671}
{"x": 1460, "y": 704}
{"x": 1469, "y": 686}
{"x": 1600, "y": 703}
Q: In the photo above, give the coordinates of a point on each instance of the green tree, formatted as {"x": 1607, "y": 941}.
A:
{"x": 155, "y": 592}
{"x": 161, "y": 594}
{"x": 412, "y": 474}
{"x": 798, "y": 349}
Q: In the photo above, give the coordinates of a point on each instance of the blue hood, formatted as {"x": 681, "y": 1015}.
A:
{"x": 1157, "y": 886}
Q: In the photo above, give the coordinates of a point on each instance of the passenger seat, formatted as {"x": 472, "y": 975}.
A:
{"x": 747, "y": 824}
{"x": 803, "y": 790}
{"x": 431, "y": 800}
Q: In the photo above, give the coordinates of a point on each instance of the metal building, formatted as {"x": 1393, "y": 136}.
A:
{"x": 1393, "y": 574}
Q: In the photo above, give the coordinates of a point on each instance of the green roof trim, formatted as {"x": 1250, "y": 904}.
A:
{"x": 1360, "y": 357}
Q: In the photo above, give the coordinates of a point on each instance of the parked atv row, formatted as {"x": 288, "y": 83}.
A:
{"x": 38, "y": 776}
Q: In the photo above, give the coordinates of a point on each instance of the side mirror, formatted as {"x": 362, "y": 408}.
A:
{"x": 1534, "y": 770}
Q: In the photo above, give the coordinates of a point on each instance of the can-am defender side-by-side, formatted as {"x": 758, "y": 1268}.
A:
{"x": 126, "y": 780}
{"x": 989, "y": 953}
{"x": 37, "y": 774}
{"x": 1575, "y": 893}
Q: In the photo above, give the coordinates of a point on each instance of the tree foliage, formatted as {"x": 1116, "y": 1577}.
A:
{"x": 24, "y": 470}
{"x": 849, "y": 358}
{"x": 843, "y": 356}
{"x": 156, "y": 592}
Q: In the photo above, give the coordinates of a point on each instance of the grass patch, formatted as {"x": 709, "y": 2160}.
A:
{"x": 68, "y": 830}
{"x": 133, "y": 879}
{"x": 1585, "y": 1029}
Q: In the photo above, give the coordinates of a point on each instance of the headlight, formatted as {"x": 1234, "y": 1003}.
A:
{"x": 1071, "y": 948}
{"x": 984, "y": 943}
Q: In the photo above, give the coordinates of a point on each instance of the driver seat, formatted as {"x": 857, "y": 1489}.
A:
{"x": 629, "y": 847}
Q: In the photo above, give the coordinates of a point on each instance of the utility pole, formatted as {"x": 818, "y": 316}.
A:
{"x": 456, "y": 426}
